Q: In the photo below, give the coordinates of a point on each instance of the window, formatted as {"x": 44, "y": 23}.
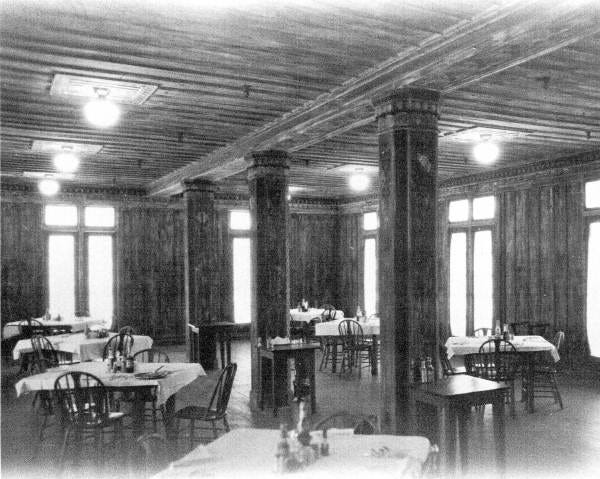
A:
{"x": 592, "y": 194}
{"x": 593, "y": 289}
{"x": 470, "y": 282}
{"x": 86, "y": 289}
{"x": 370, "y": 225}
{"x": 239, "y": 224}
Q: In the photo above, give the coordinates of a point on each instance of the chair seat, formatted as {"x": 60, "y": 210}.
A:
{"x": 197, "y": 412}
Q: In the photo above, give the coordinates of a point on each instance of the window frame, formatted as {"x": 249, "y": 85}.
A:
{"x": 591, "y": 215}
{"x": 80, "y": 232}
{"x": 370, "y": 234}
{"x": 233, "y": 234}
{"x": 470, "y": 227}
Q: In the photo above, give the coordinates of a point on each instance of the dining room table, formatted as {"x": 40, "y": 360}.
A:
{"x": 81, "y": 348}
{"x": 74, "y": 325}
{"x": 312, "y": 313}
{"x": 370, "y": 327}
{"x": 162, "y": 379}
{"x": 528, "y": 347}
{"x": 246, "y": 452}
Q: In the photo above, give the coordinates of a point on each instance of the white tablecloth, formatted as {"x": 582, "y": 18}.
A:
{"x": 82, "y": 349}
{"x": 250, "y": 453}
{"x": 312, "y": 313}
{"x": 459, "y": 346}
{"x": 77, "y": 324}
{"x": 180, "y": 375}
{"x": 330, "y": 328}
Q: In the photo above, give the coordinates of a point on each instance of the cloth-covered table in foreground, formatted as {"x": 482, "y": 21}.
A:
{"x": 82, "y": 348}
{"x": 251, "y": 453}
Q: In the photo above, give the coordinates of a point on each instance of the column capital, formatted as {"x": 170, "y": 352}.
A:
{"x": 200, "y": 185}
{"x": 408, "y": 107}
{"x": 267, "y": 163}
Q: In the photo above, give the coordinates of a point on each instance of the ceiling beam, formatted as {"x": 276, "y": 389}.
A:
{"x": 498, "y": 39}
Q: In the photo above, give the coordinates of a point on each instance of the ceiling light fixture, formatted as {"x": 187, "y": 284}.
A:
{"x": 486, "y": 152}
{"x": 66, "y": 161}
{"x": 100, "y": 111}
{"x": 48, "y": 187}
{"x": 359, "y": 182}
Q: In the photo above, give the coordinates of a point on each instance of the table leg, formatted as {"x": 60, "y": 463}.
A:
{"x": 530, "y": 371}
{"x": 499, "y": 433}
{"x": 334, "y": 351}
{"x": 137, "y": 413}
{"x": 311, "y": 372}
{"x": 447, "y": 431}
{"x": 374, "y": 356}
{"x": 171, "y": 431}
{"x": 463, "y": 413}
{"x": 221, "y": 340}
{"x": 228, "y": 347}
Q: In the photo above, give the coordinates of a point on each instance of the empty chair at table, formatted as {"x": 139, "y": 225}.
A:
{"x": 126, "y": 330}
{"x": 356, "y": 349}
{"x": 497, "y": 361}
{"x": 447, "y": 368}
{"x": 329, "y": 313}
{"x": 544, "y": 373}
{"x": 119, "y": 344}
{"x": 85, "y": 406}
{"x": 149, "y": 396}
{"x": 45, "y": 356}
{"x": 30, "y": 327}
{"x": 214, "y": 411}
{"x": 359, "y": 423}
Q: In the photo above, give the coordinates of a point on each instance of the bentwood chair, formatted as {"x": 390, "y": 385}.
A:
{"x": 30, "y": 327}
{"x": 126, "y": 330}
{"x": 45, "y": 356}
{"x": 328, "y": 313}
{"x": 85, "y": 405}
{"x": 151, "y": 356}
{"x": 328, "y": 343}
{"x": 356, "y": 350}
{"x": 447, "y": 368}
{"x": 344, "y": 420}
{"x": 497, "y": 361}
{"x": 544, "y": 376}
{"x": 215, "y": 410}
{"x": 119, "y": 344}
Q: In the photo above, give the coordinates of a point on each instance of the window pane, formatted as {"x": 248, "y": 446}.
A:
{"x": 100, "y": 277}
{"x": 370, "y": 221}
{"x": 370, "y": 285}
{"x": 458, "y": 284}
{"x": 60, "y": 215}
{"x": 61, "y": 275}
{"x": 483, "y": 299}
{"x": 239, "y": 220}
{"x": 484, "y": 208}
{"x": 593, "y": 289}
{"x": 592, "y": 194}
{"x": 458, "y": 211}
{"x": 241, "y": 280}
{"x": 99, "y": 216}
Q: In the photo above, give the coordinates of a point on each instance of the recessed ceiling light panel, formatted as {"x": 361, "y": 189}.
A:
{"x": 124, "y": 92}
{"x": 48, "y": 187}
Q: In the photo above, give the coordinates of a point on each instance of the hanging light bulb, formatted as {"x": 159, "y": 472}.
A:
{"x": 359, "y": 182}
{"x": 66, "y": 161}
{"x": 486, "y": 151}
{"x": 100, "y": 111}
{"x": 48, "y": 187}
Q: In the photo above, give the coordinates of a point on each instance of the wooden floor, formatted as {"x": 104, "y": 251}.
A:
{"x": 549, "y": 443}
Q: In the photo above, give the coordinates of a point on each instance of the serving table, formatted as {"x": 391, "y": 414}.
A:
{"x": 178, "y": 375}
{"x": 251, "y": 453}
{"x": 274, "y": 372}
{"x": 72, "y": 324}
{"x": 528, "y": 348}
{"x": 82, "y": 348}
{"x": 370, "y": 327}
{"x": 453, "y": 397}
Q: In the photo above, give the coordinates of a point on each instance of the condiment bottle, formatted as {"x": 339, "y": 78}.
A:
{"x": 324, "y": 444}
{"x": 423, "y": 371}
{"x": 430, "y": 370}
{"x": 283, "y": 450}
{"x": 129, "y": 366}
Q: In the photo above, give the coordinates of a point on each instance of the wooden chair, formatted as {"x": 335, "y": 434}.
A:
{"x": 126, "y": 330}
{"x": 355, "y": 348}
{"x": 447, "y": 368}
{"x": 45, "y": 356}
{"x": 85, "y": 405}
{"x": 328, "y": 313}
{"x": 151, "y": 356}
{"x": 497, "y": 361}
{"x": 544, "y": 379}
{"x": 344, "y": 420}
{"x": 30, "y": 327}
{"x": 121, "y": 343}
{"x": 216, "y": 410}
{"x": 538, "y": 329}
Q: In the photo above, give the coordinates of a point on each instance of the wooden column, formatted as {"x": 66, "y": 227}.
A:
{"x": 200, "y": 226}
{"x": 267, "y": 181}
{"x": 407, "y": 130}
